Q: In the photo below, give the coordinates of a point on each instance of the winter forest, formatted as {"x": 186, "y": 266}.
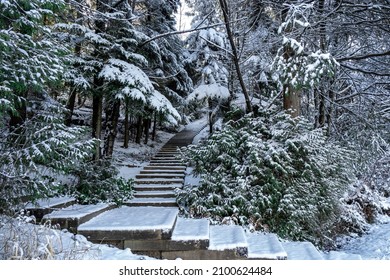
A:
{"x": 296, "y": 95}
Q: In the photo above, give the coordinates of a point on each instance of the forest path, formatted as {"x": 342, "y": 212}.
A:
{"x": 150, "y": 223}
{"x": 155, "y": 185}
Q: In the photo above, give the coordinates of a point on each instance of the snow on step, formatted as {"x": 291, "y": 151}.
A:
{"x": 152, "y": 201}
{"x": 153, "y": 171}
{"x": 265, "y": 246}
{"x": 44, "y": 206}
{"x": 159, "y": 181}
{"x": 54, "y": 202}
{"x": 164, "y": 167}
{"x": 227, "y": 237}
{"x": 128, "y": 223}
{"x": 301, "y": 251}
{"x": 191, "y": 229}
{"x": 335, "y": 255}
{"x": 159, "y": 175}
{"x": 169, "y": 193}
{"x": 157, "y": 187}
{"x": 171, "y": 164}
{"x": 77, "y": 211}
{"x": 71, "y": 216}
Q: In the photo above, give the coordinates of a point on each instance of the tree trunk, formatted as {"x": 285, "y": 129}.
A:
{"x": 97, "y": 110}
{"x": 70, "y": 107}
{"x": 236, "y": 59}
{"x": 147, "y": 129}
{"x": 291, "y": 101}
{"x": 97, "y": 99}
{"x": 210, "y": 116}
{"x": 127, "y": 125}
{"x": 112, "y": 118}
{"x": 139, "y": 131}
{"x": 154, "y": 126}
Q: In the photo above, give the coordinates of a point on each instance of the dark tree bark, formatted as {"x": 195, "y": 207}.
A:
{"x": 112, "y": 117}
{"x": 127, "y": 125}
{"x": 139, "y": 131}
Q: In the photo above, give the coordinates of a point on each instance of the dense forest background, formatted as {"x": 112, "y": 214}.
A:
{"x": 302, "y": 88}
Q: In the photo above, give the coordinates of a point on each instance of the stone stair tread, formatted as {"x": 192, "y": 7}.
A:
{"x": 77, "y": 211}
{"x": 171, "y": 164}
{"x": 160, "y": 175}
{"x": 158, "y": 181}
{"x": 152, "y": 199}
{"x": 157, "y": 186}
{"x": 265, "y": 246}
{"x": 53, "y": 202}
{"x": 224, "y": 237}
{"x": 126, "y": 223}
{"x": 154, "y": 193}
{"x": 191, "y": 229}
{"x": 165, "y": 167}
{"x": 301, "y": 251}
{"x": 164, "y": 171}
{"x": 336, "y": 255}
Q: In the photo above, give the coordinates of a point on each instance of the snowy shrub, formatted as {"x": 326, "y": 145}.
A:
{"x": 36, "y": 152}
{"x": 270, "y": 172}
{"x": 99, "y": 182}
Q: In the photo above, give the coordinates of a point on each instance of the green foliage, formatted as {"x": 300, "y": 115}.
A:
{"x": 99, "y": 182}
{"x": 37, "y": 151}
{"x": 270, "y": 172}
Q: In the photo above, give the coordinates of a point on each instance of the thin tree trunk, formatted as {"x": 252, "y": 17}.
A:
{"x": 154, "y": 126}
{"x": 147, "y": 129}
{"x": 112, "y": 118}
{"x": 97, "y": 111}
{"x": 127, "y": 126}
{"x": 210, "y": 116}
{"x": 139, "y": 131}
{"x": 235, "y": 56}
{"x": 70, "y": 107}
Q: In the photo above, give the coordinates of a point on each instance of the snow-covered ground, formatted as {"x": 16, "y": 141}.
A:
{"x": 373, "y": 245}
{"x": 21, "y": 240}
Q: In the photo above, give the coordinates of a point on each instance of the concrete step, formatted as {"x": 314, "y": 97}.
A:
{"x": 165, "y": 167}
{"x": 166, "y": 194}
{"x": 170, "y": 164}
{"x": 154, "y": 171}
{"x": 265, "y": 247}
{"x": 160, "y": 181}
{"x": 45, "y": 206}
{"x": 335, "y": 255}
{"x": 226, "y": 243}
{"x": 165, "y": 161}
{"x": 152, "y": 201}
{"x": 160, "y": 175}
{"x": 130, "y": 223}
{"x": 156, "y": 187}
{"x": 168, "y": 153}
{"x": 166, "y": 156}
{"x": 301, "y": 251}
{"x": 72, "y": 216}
{"x": 188, "y": 235}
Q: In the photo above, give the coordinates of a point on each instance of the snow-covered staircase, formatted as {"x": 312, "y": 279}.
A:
{"x": 155, "y": 185}
{"x": 150, "y": 224}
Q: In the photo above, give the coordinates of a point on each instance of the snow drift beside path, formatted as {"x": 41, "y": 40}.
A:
{"x": 21, "y": 240}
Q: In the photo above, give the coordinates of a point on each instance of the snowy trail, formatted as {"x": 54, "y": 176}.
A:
{"x": 373, "y": 245}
